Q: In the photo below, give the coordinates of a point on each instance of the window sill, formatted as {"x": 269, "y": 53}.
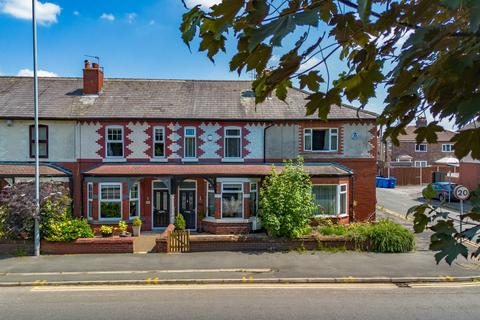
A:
{"x": 189, "y": 159}
{"x": 226, "y": 220}
{"x": 158, "y": 160}
{"x": 331, "y": 215}
{"x": 114, "y": 160}
{"x": 233, "y": 160}
{"x": 320, "y": 151}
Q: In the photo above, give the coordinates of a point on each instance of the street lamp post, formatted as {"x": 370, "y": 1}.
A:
{"x": 37, "y": 160}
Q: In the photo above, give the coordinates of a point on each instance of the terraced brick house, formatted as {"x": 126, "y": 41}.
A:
{"x": 152, "y": 148}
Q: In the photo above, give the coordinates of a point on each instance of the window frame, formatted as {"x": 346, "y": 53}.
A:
{"x": 194, "y": 136}
{"x": 338, "y": 193}
{"x": 107, "y": 141}
{"x": 239, "y": 137}
{"x": 417, "y": 147}
{"x": 420, "y": 162}
{"x": 155, "y": 141}
{"x": 101, "y": 200}
{"x": 256, "y": 197}
{"x": 332, "y": 132}
{"x": 450, "y": 145}
{"x": 31, "y": 133}
{"x": 240, "y": 192}
{"x": 89, "y": 200}
{"x": 207, "y": 202}
{"x": 137, "y": 199}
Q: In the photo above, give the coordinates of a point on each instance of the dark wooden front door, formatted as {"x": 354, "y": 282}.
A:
{"x": 188, "y": 206}
{"x": 160, "y": 209}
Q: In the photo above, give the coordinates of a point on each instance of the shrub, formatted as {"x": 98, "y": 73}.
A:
{"x": 137, "y": 222}
{"x": 106, "y": 231}
{"x": 287, "y": 201}
{"x": 122, "y": 227}
{"x": 180, "y": 223}
{"x": 385, "y": 236}
{"x": 67, "y": 229}
{"x": 336, "y": 229}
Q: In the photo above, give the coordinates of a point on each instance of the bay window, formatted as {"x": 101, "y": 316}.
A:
{"x": 110, "y": 201}
{"x": 233, "y": 143}
{"x": 190, "y": 140}
{"x": 134, "y": 202}
{"x": 159, "y": 142}
{"x": 253, "y": 198}
{"x": 330, "y": 200}
{"x": 114, "y": 142}
{"x": 210, "y": 201}
{"x": 232, "y": 200}
{"x": 320, "y": 139}
{"x": 89, "y": 200}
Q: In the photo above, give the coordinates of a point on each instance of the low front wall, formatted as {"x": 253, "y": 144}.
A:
{"x": 226, "y": 227}
{"x": 89, "y": 245}
{"x": 16, "y": 247}
{"x": 206, "y": 243}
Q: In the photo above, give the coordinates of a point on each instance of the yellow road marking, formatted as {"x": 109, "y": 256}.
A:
{"x": 349, "y": 279}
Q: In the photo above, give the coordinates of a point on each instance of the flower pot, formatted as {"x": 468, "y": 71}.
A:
{"x": 136, "y": 230}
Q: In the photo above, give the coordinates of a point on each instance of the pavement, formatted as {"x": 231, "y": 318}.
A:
{"x": 249, "y": 301}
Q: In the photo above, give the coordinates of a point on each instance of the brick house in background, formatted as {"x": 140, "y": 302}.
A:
{"x": 470, "y": 168}
{"x": 411, "y": 154}
{"x": 152, "y": 148}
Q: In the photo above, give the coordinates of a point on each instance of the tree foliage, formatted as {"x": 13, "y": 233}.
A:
{"x": 287, "y": 202}
{"x": 425, "y": 53}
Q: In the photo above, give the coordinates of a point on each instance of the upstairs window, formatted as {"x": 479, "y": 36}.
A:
{"x": 159, "y": 142}
{"x": 233, "y": 143}
{"x": 190, "y": 140}
{"x": 320, "y": 139}
{"x": 42, "y": 141}
{"x": 447, "y": 147}
{"x": 114, "y": 142}
{"x": 421, "y": 147}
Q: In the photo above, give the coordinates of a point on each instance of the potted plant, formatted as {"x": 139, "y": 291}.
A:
{"x": 136, "y": 226}
{"x": 122, "y": 227}
{"x": 107, "y": 231}
{"x": 180, "y": 223}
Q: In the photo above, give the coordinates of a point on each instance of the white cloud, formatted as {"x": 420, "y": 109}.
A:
{"x": 107, "y": 16}
{"x": 41, "y": 73}
{"x": 152, "y": 22}
{"x": 47, "y": 12}
{"x": 76, "y": 13}
{"x": 203, "y": 3}
{"x": 131, "y": 17}
{"x": 309, "y": 64}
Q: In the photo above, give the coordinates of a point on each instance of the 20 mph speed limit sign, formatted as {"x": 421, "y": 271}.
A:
{"x": 461, "y": 192}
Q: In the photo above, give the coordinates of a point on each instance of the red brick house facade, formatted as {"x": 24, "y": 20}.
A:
{"x": 155, "y": 148}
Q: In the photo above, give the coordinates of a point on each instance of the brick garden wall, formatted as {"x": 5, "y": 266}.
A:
{"x": 89, "y": 245}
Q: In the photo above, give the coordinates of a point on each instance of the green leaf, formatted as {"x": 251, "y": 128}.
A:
{"x": 282, "y": 89}
{"x": 311, "y": 80}
{"x": 321, "y": 103}
{"x": 428, "y": 133}
{"x": 428, "y": 192}
{"x": 364, "y": 9}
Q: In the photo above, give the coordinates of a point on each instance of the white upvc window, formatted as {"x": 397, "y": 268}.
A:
{"x": 447, "y": 147}
{"x": 159, "y": 142}
{"x": 331, "y": 199}
{"x": 134, "y": 200}
{"x": 89, "y": 200}
{"x": 421, "y": 163}
{"x": 110, "y": 201}
{"x": 232, "y": 200}
{"x": 253, "y": 198}
{"x": 190, "y": 142}
{"x": 114, "y": 141}
{"x": 210, "y": 200}
{"x": 320, "y": 139}
{"x": 232, "y": 143}
{"x": 422, "y": 147}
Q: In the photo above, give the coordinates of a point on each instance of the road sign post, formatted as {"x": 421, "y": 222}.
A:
{"x": 461, "y": 193}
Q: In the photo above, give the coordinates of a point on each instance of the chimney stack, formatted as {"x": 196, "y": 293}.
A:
{"x": 92, "y": 78}
{"x": 421, "y": 122}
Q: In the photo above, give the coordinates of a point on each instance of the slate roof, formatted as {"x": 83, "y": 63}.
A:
{"x": 443, "y": 136}
{"x": 62, "y": 98}
{"x": 202, "y": 170}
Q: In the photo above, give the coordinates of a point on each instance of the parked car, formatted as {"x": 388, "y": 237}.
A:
{"x": 444, "y": 191}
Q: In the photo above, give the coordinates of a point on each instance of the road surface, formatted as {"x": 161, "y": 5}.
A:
{"x": 349, "y": 301}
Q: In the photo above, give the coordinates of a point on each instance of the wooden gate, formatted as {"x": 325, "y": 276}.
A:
{"x": 178, "y": 241}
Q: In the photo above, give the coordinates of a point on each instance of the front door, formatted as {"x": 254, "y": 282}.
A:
{"x": 160, "y": 209}
{"x": 188, "y": 206}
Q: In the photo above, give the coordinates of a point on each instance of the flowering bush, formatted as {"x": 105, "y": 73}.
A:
{"x": 67, "y": 229}
{"x": 107, "y": 231}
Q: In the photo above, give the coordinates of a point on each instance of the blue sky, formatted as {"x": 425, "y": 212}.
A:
{"x": 133, "y": 38}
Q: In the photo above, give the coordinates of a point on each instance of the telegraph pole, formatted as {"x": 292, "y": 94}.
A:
{"x": 37, "y": 159}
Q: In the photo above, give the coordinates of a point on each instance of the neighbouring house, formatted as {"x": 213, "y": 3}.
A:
{"x": 411, "y": 154}
{"x": 154, "y": 148}
{"x": 469, "y": 167}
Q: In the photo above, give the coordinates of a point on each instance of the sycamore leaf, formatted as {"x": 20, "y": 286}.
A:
{"x": 310, "y": 80}
{"x": 282, "y": 89}
{"x": 428, "y": 133}
{"x": 321, "y": 102}
{"x": 466, "y": 141}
